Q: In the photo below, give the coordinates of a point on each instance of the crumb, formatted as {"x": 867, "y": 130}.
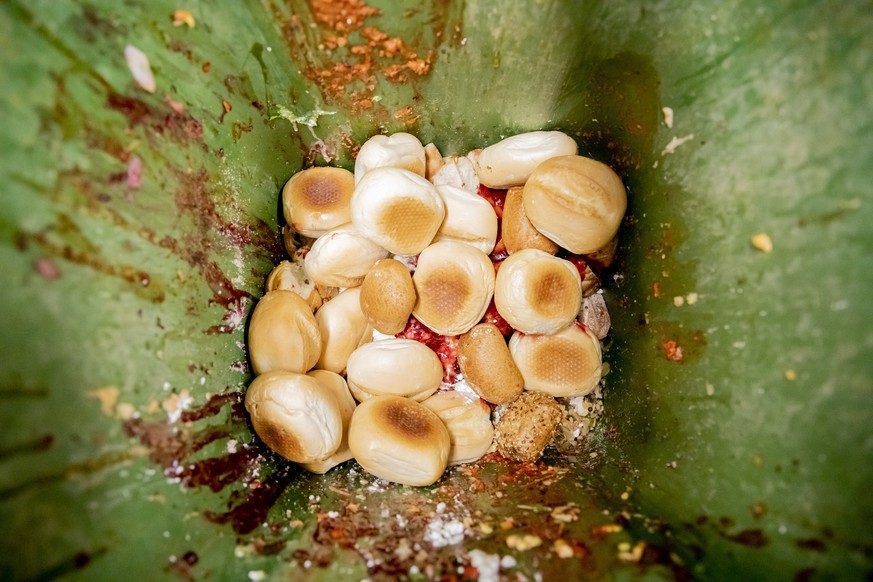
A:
{"x": 672, "y": 350}
{"x": 678, "y": 301}
{"x": 181, "y": 17}
{"x": 668, "y": 116}
{"x": 762, "y": 242}
{"x": 675, "y": 143}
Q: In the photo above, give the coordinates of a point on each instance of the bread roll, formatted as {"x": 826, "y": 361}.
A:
{"x": 342, "y": 257}
{"x": 399, "y": 367}
{"x": 388, "y": 296}
{"x": 399, "y": 150}
{"x": 468, "y": 420}
{"x": 487, "y": 364}
{"x": 295, "y": 416}
{"x": 400, "y": 440}
{"x": 291, "y": 277}
{"x": 343, "y": 328}
{"x": 317, "y": 200}
{"x": 575, "y": 201}
{"x": 335, "y": 384}
{"x": 567, "y": 363}
{"x": 518, "y": 232}
{"x": 283, "y": 334}
{"x": 454, "y": 283}
{"x": 470, "y": 219}
{"x": 398, "y": 210}
{"x": 536, "y": 292}
{"x": 510, "y": 161}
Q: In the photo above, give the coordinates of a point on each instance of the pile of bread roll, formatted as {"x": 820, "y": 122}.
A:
{"x": 408, "y": 235}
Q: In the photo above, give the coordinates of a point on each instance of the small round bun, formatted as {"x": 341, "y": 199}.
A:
{"x": 388, "y": 296}
{"x": 487, "y": 365}
{"x": 470, "y": 219}
{"x": 343, "y": 328}
{"x": 291, "y": 277}
{"x": 283, "y": 334}
{"x": 536, "y": 292}
{"x": 342, "y": 257}
{"x": 335, "y": 384}
{"x": 575, "y": 201}
{"x": 398, "y": 210}
{"x": 518, "y": 232}
{"x": 399, "y": 367}
{"x": 400, "y": 440}
{"x": 567, "y": 363}
{"x": 454, "y": 283}
{"x": 317, "y": 200}
{"x": 295, "y": 416}
{"x": 468, "y": 420}
{"x": 510, "y": 161}
{"x": 398, "y": 150}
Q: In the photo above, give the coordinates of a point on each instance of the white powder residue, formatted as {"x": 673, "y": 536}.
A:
{"x": 444, "y": 533}
{"x": 488, "y": 565}
{"x": 460, "y": 385}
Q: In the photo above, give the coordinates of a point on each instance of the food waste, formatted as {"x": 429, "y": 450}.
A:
{"x": 436, "y": 308}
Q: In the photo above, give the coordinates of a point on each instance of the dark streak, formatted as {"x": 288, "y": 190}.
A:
{"x": 70, "y": 471}
{"x": 247, "y": 514}
{"x": 35, "y": 445}
{"x": 77, "y": 561}
{"x": 812, "y": 544}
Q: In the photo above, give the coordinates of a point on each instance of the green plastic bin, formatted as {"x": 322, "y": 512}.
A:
{"x": 137, "y": 227}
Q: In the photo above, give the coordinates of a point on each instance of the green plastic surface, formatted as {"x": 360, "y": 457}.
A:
{"x": 137, "y": 229}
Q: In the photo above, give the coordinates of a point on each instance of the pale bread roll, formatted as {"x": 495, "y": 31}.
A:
{"x": 433, "y": 161}
{"x": 283, "y": 334}
{"x": 454, "y": 283}
{"x": 459, "y": 172}
{"x": 399, "y": 150}
{"x": 470, "y": 219}
{"x": 336, "y": 384}
{"x": 468, "y": 420}
{"x": 536, "y": 292}
{"x": 400, "y": 440}
{"x": 575, "y": 201}
{"x": 342, "y": 257}
{"x": 510, "y": 161}
{"x": 567, "y": 363}
{"x": 398, "y": 210}
{"x": 518, "y": 232}
{"x": 291, "y": 277}
{"x": 295, "y": 416}
{"x": 399, "y": 367}
{"x": 388, "y": 296}
{"x": 343, "y": 328}
{"x": 317, "y": 200}
{"x": 487, "y": 365}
